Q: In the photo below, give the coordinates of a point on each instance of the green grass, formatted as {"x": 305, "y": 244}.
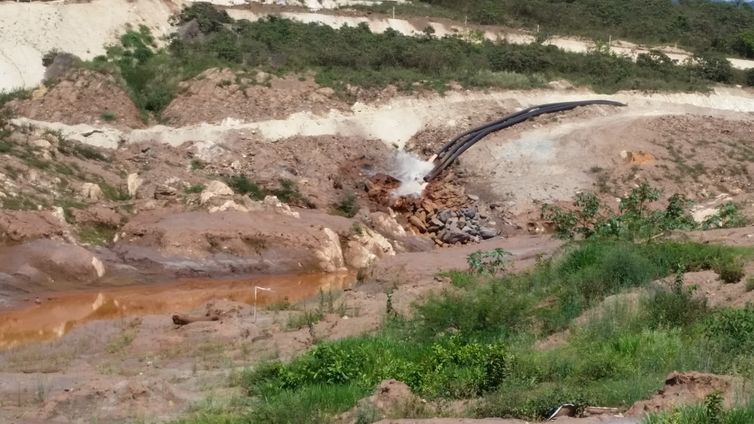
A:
{"x": 6, "y": 96}
{"x": 80, "y": 150}
{"x": 96, "y": 235}
{"x": 696, "y": 25}
{"x": 108, "y": 116}
{"x": 115, "y": 194}
{"x": 478, "y": 339}
{"x": 355, "y": 56}
{"x": 196, "y": 188}
{"x": 348, "y": 206}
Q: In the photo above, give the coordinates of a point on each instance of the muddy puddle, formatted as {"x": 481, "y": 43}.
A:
{"x": 58, "y": 313}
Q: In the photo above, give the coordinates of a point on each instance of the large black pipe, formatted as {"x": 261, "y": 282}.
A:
{"x": 453, "y": 149}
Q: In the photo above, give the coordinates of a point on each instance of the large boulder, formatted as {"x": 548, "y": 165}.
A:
{"x": 215, "y": 189}
{"x": 91, "y": 191}
{"x": 365, "y": 247}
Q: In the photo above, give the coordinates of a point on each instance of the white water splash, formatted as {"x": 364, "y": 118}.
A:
{"x": 410, "y": 171}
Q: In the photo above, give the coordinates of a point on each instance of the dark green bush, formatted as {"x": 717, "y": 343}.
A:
{"x": 347, "y": 206}
{"x": 241, "y": 184}
{"x": 732, "y": 330}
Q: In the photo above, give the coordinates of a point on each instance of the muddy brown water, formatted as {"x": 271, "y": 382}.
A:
{"x": 58, "y": 313}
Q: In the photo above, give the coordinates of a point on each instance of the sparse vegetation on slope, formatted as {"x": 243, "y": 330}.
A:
{"x": 699, "y": 25}
{"x": 359, "y": 57}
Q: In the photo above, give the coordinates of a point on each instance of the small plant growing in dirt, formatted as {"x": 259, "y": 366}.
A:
{"x": 750, "y": 284}
{"x": 727, "y": 216}
{"x": 492, "y": 262}
{"x": 731, "y": 272}
{"x": 348, "y": 206}
{"x": 196, "y": 188}
{"x": 108, "y": 116}
{"x": 197, "y": 164}
{"x": 289, "y": 193}
{"x": 242, "y": 185}
{"x": 676, "y": 306}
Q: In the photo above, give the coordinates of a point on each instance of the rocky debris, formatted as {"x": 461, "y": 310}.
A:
{"x": 91, "y": 191}
{"x": 449, "y": 226}
{"x": 272, "y": 203}
{"x": 445, "y": 211}
{"x": 214, "y": 189}
{"x": 229, "y": 205}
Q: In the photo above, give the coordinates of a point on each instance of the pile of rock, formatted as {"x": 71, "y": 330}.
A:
{"x": 452, "y": 226}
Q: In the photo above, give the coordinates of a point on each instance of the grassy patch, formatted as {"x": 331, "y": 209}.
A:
{"x": 6, "y": 96}
{"x": 80, "y": 150}
{"x": 108, "y": 116}
{"x": 357, "y": 57}
{"x": 699, "y": 26}
{"x": 480, "y": 340}
{"x": 115, "y": 194}
{"x": 96, "y": 235}
{"x": 197, "y": 164}
{"x": 241, "y": 184}
{"x": 348, "y": 206}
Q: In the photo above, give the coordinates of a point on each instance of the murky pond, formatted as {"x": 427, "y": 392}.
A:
{"x": 57, "y": 313}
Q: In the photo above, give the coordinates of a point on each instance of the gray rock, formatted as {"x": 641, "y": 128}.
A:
{"x": 473, "y": 197}
{"x": 487, "y": 232}
{"x": 444, "y": 215}
{"x": 469, "y": 212}
{"x": 454, "y": 236}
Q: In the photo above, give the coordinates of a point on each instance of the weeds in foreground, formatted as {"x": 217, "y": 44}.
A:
{"x": 478, "y": 340}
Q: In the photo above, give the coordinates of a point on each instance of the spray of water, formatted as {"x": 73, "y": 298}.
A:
{"x": 410, "y": 171}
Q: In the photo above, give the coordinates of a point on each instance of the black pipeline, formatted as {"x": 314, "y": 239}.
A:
{"x": 455, "y": 147}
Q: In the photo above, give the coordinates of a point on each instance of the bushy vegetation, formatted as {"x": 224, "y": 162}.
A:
{"x": 356, "y": 56}
{"x": 635, "y": 219}
{"x": 348, "y": 206}
{"x": 601, "y": 323}
{"x": 710, "y": 412}
{"x": 479, "y": 339}
{"x": 699, "y": 25}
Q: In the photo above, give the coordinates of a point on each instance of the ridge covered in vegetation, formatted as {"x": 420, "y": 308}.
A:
{"x": 355, "y": 56}
{"x": 699, "y": 25}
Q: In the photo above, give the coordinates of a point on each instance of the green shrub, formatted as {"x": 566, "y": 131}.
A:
{"x": 197, "y": 164}
{"x": 242, "y": 185}
{"x": 108, "y": 116}
{"x": 116, "y": 194}
{"x": 196, "y": 188}
{"x": 288, "y": 192}
{"x": 750, "y": 284}
{"x": 348, "y": 206}
{"x": 731, "y": 272}
{"x": 492, "y": 262}
{"x": 80, "y": 150}
{"x": 732, "y": 329}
